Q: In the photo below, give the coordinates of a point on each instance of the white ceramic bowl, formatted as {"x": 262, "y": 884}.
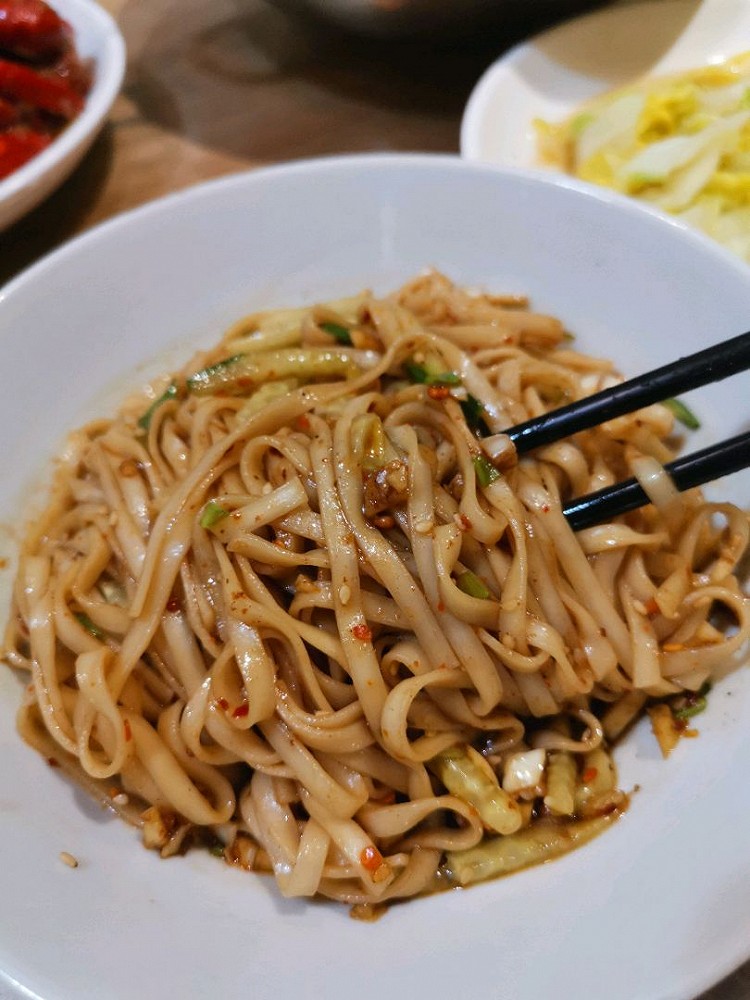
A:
{"x": 97, "y": 38}
{"x": 658, "y": 906}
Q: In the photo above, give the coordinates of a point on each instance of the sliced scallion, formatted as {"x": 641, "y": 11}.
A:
{"x": 144, "y": 422}
{"x": 683, "y": 413}
{"x": 422, "y": 375}
{"x": 213, "y": 512}
{"x": 444, "y": 378}
{"x": 416, "y": 373}
{"x": 471, "y": 584}
{"x": 485, "y": 470}
{"x": 338, "y": 332}
{"x": 93, "y": 629}
{"x": 473, "y": 411}
{"x": 693, "y": 704}
{"x": 688, "y": 711}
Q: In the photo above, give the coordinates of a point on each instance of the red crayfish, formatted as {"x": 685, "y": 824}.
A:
{"x": 42, "y": 81}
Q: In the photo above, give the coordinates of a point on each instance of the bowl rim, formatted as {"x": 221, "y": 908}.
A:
{"x": 386, "y": 162}
{"x": 109, "y": 66}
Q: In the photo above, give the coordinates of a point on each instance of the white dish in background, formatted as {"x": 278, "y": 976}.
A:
{"x": 658, "y": 906}
{"x": 551, "y": 75}
{"x": 97, "y": 38}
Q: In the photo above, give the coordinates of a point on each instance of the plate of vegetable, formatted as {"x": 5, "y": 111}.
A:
{"x": 662, "y": 116}
{"x": 61, "y": 68}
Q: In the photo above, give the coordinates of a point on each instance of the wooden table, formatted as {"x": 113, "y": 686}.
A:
{"x": 217, "y": 86}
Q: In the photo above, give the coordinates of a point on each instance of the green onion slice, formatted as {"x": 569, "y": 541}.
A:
{"x": 418, "y": 373}
{"x": 683, "y": 413}
{"x": 694, "y": 703}
{"x": 444, "y": 378}
{"x": 470, "y": 584}
{"x": 485, "y": 470}
{"x": 338, "y": 332}
{"x": 212, "y": 514}
{"x": 170, "y": 392}
{"x": 90, "y": 627}
{"x": 688, "y": 711}
{"x": 473, "y": 411}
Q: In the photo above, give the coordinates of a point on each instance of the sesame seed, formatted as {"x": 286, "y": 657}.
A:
{"x": 345, "y": 593}
{"x": 425, "y": 526}
{"x": 68, "y": 859}
{"x": 121, "y": 799}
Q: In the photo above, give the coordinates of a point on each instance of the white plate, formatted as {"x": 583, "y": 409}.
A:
{"x": 551, "y": 75}
{"x": 658, "y": 907}
{"x": 97, "y": 38}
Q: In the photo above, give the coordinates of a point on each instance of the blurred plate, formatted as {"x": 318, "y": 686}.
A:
{"x": 551, "y": 75}
{"x": 657, "y": 907}
{"x": 98, "y": 38}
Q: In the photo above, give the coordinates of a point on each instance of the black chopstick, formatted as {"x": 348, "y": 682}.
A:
{"x": 709, "y": 365}
{"x": 691, "y": 470}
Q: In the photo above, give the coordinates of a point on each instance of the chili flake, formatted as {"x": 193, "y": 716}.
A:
{"x": 371, "y": 859}
{"x": 438, "y": 392}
